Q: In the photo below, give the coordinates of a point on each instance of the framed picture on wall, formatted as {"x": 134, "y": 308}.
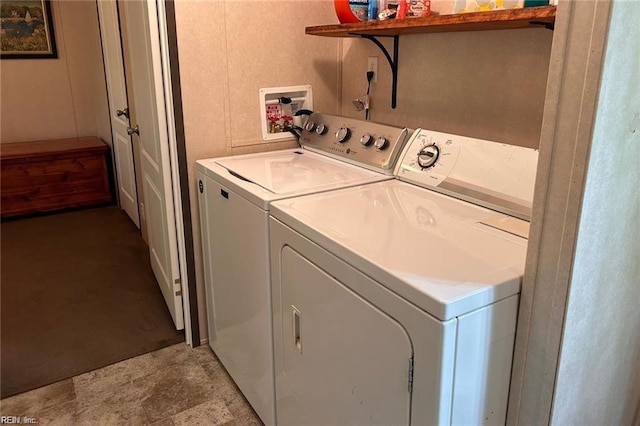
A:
{"x": 26, "y": 30}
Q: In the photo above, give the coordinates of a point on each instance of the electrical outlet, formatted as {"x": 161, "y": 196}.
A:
{"x": 372, "y": 65}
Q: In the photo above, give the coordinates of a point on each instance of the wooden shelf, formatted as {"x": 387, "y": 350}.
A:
{"x": 528, "y": 17}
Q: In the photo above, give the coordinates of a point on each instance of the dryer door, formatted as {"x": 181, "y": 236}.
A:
{"x": 344, "y": 361}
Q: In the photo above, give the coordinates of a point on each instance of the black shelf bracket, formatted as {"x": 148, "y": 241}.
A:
{"x": 547, "y": 25}
{"x": 393, "y": 63}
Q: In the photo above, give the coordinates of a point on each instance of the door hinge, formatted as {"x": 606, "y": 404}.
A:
{"x": 177, "y": 284}
{"x": 410, "y": 386}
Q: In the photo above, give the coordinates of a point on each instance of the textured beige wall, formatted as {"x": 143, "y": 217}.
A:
{"x": 228, "y": 50}
{"x": 598, "y": 379}
{"x": 486, "y": 84}
{"x": 580, "y": 288}
{"x": 58, "y": 98}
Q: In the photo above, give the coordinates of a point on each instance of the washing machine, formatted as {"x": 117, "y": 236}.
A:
{"x": 395, "y": 303}
{"x": 234, "y": 196}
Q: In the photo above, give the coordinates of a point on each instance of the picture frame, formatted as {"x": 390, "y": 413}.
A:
{"x": 26, "y": 30}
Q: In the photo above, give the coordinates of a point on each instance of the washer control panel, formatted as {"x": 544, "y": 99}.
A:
{"x": 492, "y": 174}
{"x": 372, "y": 145}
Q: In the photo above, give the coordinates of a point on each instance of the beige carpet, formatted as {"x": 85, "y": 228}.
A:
{"x": 77, "y": 293}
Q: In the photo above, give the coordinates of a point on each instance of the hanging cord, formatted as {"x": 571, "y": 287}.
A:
{"x": 369, "y": 78}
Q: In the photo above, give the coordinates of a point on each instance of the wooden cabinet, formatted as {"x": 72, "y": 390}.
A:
{"x": 42, "y": 176}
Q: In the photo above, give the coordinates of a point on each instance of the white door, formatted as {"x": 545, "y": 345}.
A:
{"x": 118, "y": 108}
{"x": 147, "y": 81}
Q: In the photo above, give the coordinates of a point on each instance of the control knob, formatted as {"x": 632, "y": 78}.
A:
{"x": 366, "y": 139}
{"x": 381, "y": 143}
{"x": 321, "y": 129}
{"x": 310, "y": 126}
{"x": 343, "y": 134}
{"x": 428, "y": 156}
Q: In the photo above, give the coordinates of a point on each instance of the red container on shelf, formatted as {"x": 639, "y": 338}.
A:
{"x": 419, "y": 8}
{"x": 350, "y": 11}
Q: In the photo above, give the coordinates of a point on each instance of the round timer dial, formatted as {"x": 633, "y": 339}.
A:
{"x": 428, "y": 156}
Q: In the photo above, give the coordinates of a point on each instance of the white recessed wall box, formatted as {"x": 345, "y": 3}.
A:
{"x": 278, "y": 106}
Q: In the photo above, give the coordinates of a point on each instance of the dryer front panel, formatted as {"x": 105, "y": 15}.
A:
{"x": 345, "y": 345}
{"x": 333, "y": 336}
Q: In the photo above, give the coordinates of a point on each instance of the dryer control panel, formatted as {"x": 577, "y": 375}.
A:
{"x": 495, "y": 175}
{"x": 375, "y": 146}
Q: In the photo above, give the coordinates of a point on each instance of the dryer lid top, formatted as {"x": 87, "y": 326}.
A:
{"x": 431, "y": 249}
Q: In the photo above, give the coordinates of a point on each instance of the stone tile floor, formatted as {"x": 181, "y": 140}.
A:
{"x": 176, "y": 385}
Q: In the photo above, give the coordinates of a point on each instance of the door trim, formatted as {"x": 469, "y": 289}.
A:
{"x": 192, "y": 325}
{"x": 162, "y": 14}
{"x": 565, "y": 142}
{"x": 164, "y": 104}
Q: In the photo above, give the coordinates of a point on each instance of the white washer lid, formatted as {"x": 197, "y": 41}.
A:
{"x": 268, "y": 176}
{"x": 427, "y": 247}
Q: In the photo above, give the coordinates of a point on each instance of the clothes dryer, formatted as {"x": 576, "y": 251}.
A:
{"x": 396, "y": 302}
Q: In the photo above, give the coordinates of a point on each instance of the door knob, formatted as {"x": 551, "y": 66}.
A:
{"x": 133, "y": 130}
{"x": 121, "y": 112}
